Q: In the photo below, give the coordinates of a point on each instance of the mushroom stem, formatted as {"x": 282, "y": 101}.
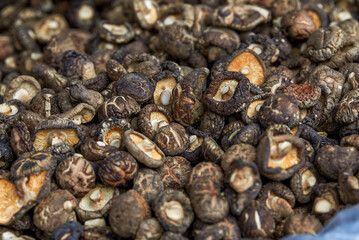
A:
{"x": 174, "y": 211}
{"x": 97, "y": 196}
{"x": 309, "y": 182}
{"x": 5, "y": 108}
{"x": 322, "y": 206}
{"x": 245, "y": 70}
{"x": 88, "y": 71}
{"x": 56, "y": 140}
{"x": 165, "y": 97}
{"x": 77, "y": 119}
{"x": 193, "y": 139}
{"x": 147, "y": 145}
{"x": 224, "y": 89}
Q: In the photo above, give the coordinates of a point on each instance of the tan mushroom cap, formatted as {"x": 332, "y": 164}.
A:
{"x": 11, "y": 202}
{"x": 46, "y": 137}
{"x": 254, "y": 107}
{"x": 147, "y": 146}
{"x": 96, "y": 199}
{"x": 283, "y": 154}
{"x": 249, "y": 65}
{"x": 82, "y": 113}
{"x": 163, "y": 91}
{"x": 23, "y": 88}
{"x": 8, "y": 109}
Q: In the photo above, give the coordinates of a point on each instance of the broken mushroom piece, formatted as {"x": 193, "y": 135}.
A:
{"x": 82, "y": 113}
{"x": 23, "y": 88}
{"x": 96, "y": 203}
{"x": 279, "y": 157}
{"x": 226, "y": 93}
{"x": 76, "y": 175}
{"x": 118, "y": 168}
{"x": 172, "y": 139}
{"x": 151, "y": 118}
{"x": 127, "y": 212}
{"x": 21, "y": 195}
{"x": 143, "y": 149}
{"x": 174, "y": 211}
{"x": 52, "y": 131}
{"x": 111, "y": 132}
{"x": 54, "y": 210}
{"x": 249, "y": 64}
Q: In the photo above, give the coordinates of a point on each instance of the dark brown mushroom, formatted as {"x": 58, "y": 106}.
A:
{"x": 118, "y": 107}
{"x": 148, "y": 184}
{"x": 82, "y": 113}
{"x": 298, "y": 24}
{"x": 115, "y": 33}
{"x": 172, "y": 139}
{"x": 175, "y": 172}
{"x": 302, "y": 224}
{"x": 23, "y": 88}
{"x": 111, "y": 132}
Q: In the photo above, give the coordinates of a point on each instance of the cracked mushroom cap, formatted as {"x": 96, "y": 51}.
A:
{"x": 172, "y": 139}
{"x": 21, "y": 195}
{"x": 148, "y": 184}
{"x": 118, "y": 168}
{"x": 111, "y": 132}
{"x": 143, "y": 149}
{"x": 174, "y": 211}
{"x": 52, "y": 131}
{"x": 76, "y": 175}
{"x": 280, "y": 108}
{"x": 151, "y": 118}
{"x": 249, "y": 64}
{"x": 226, "y": 93}
{"x": 96, "y": 203}
{"x": 279, "y": 157}
{"x": 127, "y": 212}
{"x": 23, "y": 88}
{"x": 238, "y": 152}
{"x": 82, "y": 113}
{"x": 54, "y": 210}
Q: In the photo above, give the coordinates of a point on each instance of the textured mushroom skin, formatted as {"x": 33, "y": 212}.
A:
{"x": 302, "y": 224}
{"x": 148, "y": 184}
{"x": 118, "y": 107}
{"x": 172, "y": 139}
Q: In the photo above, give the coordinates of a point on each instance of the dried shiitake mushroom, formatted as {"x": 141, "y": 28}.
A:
{"x": 149, "y": 229}
{"x": 127, "y": 212}
{"x": 6, "y": 156}
{"x": 326, "y": 202}
{"x": 10, "y": 111}
{"x": 96, "y": 203}
{"x": 147, "y": 65}
{"x": 68, "y": 230}
{"x": 146, "y": 12}
{"x": 49, "y": 27}
{"x": 307, "y": 95}
{"x": 118, "y": 107}
{"x": 298, "y": 24}
{"x": 82, "y": 113}
{"x": 279, "y": 157}
{"x": 111, "y": 132}
{"x": 348, "y": 185}
{"x": 118, "y": 168}
{"x": 54, "y": 210}
{"x": 172, "y": 139}
{"x": 23, "y": 88}
{"x": 148, "y": 184}
{"x": 252, "y": 106}
{"x": 174, "y": 211}
{"x": 115, "y": 33}
{"x": 96, "y": 151}
{"x": 175, "y": 172}
{"x": 76, "y": 175}
{"x": 143, "y": 149}
{"x": 302, "y": 224}
{"x": 238, "y": 152}
{"x": 52, "y": 131}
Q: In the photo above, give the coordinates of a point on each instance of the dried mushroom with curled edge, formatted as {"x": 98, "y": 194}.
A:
{"x": 10, "y": 111}
{"x": 278, "y": 198}
{"x": 76, "y": 175}
{"x": 186, "y": 108}
{"x": 249, "y": 134}
{"x": 298, "y": 24}
{"x": 51, "y": 78}
{"x": 53, "y": 131}
{"x": 54, "y": 210}
{"x": 115, "y": 33}
{"x": 240, "y": 17}
{"x": 23, "y": 88}
{"x": 174, "y": 211}
{"x": 282, "y": 109}
{"x": 181, "y": 14}
{"x": 111, "y": 132}
{"x": 210, "y": 150}
{"x": 279, "y": 157}
{"x": 118, "y": 168}
{"x": 262, "y": 45}
{"x": 143, "y": 149}
{"x": 226, "y": 93}
{"x": 70, "y": 230}
{"x": 172, "y": 139}
{"x": 244, "y": 178}
{"x": 44, "y": 103}
{"x": 175, "y": 172}
{"x": 302, "y": 224}
{"x": 324, "y": 43}
{"x": 326, "y": 202}
{"x": 151, "y": 118}
{"x": 96, "y": 203}
{"x": 118, "y": 107}
{"x": 134, "y": 85}
{"x": 127, "y": 212}
{"x": 78, "y": 93}
{"x": 142, "y": 63}
{"x": 193, "y": 152}
{"x": 330, "y": 160}
{"x": 252, "y": 106}
{"x": 347, "y": 109}
{"x": 148, "y": 184}
{"x": 96, "y": 151}
{"x": 256, "y": 221}
{"x": 248, "y": 63}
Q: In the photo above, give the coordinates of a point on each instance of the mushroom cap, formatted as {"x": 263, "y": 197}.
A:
{"x": 23, "y": 88}
{"x": 172, "y": 139}
{"x": 112, "y": 129}
{"x": 146, "y": 12}
{"x": 83, "y": 111}
{"x": 44, "y": 129}
{"x": 143, "y": 149}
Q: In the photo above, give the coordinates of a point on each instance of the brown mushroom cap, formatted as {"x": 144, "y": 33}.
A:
{"x": 279, "y": 157}
{"x": 23, "y": 88}
{"x": 143, "y": 149}
{"x": 172, "y": 139}
{"x": 82, "y": 113}
{"x": 49, "y": 132}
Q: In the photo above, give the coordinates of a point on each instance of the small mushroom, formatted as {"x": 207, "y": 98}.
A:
{"x": 54, "y": 131}
{"x": 96, "y": 203}
{"x": 127, "y": 212}
{"x": 148, "y": 184}
{"x": 279, "y": 157}
{"x": 111, "y": 132}
{"x": 175, "y": 172}
{"x": 54, "y": 210}
{"x": 23, "y": 88}
{"x": 143, "y": 149}
{"x": 76, "y": 175}
{"x": 118, "y": 107}
{"x": 82, "y": 113}
{"x": 172, "y": 139}
{"x": 173, "y": 210}
{"x": 118, "y": 168}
